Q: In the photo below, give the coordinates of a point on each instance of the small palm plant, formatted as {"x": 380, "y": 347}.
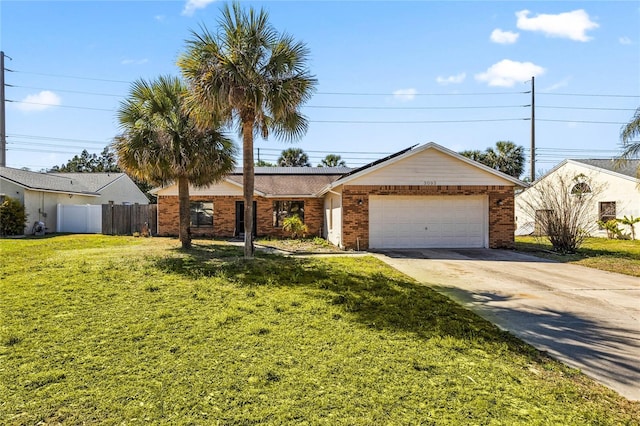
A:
{"x": 294, "y": 226}
{"x": 630, "y": 222}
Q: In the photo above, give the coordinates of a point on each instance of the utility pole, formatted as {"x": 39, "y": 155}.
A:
{"x": 3, "y": 127}
{"x": 533, "y": 129}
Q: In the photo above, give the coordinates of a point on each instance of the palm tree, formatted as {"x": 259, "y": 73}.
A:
{"x": 161, "y": 143}
{"x": 630, "y": 222}
{"x": 293, "y": 157}
{"x": 332, "y": 160}
{"x": 629, "y": 131}
{"x": 507, "y": 158}
{"x": 256, "y": 78}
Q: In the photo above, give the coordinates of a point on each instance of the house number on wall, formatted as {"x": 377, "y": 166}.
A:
{"x": 429, "y": 182}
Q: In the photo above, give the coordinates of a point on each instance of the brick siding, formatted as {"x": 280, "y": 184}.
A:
{"x": 355, "y": 205}
{"x": 224, "y": 216}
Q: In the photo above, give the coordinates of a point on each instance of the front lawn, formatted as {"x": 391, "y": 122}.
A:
{"x": 621, "y": 256}
{"x": 123, "y": 330}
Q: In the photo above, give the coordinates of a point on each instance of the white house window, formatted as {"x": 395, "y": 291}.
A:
{"x": 201, "y": 214}
{"x": 285, "y": 209}
{"x": 580, "y": 188}
{"x": 607, "y": 211}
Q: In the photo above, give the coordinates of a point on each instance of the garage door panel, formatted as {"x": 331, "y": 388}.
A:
{"x": 427, "y": 222}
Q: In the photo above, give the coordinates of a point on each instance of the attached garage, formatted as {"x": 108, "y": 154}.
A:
{"x": 424, "y": 197}
{"x": 427, "y": 221}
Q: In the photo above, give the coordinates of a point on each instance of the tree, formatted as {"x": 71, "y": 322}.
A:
{"x": 507, "y": 158}
{"x": 631, "y": 148}
{"x": 563, "y": 209}
{"x": 13, "y": 217}
{"x": 254, "y": 77}
{"x": 332, "y": 160}
{"x": 161, "y": 143}
{"x": 263, "y": 163}
{"x": 630, "y": 222}
{"x": 293, "y": 157}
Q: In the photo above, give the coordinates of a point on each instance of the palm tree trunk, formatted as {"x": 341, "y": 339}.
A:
{"x": 185, "y": 212}
{"x": 248, "y": 185}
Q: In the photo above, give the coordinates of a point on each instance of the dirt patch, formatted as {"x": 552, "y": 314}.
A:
{"x": 315, "y": 245}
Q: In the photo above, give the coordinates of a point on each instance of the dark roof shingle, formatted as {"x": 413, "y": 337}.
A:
{"x": 627, "y": 168}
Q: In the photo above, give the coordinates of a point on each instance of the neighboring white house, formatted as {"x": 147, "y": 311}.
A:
{"x": 41, "y": 193}
{"x": 616, "y": 191}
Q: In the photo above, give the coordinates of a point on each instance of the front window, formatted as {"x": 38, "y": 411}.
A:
{"x": 607, "y": 211}
{"x": 580, "y": 189}
{"x": 201, "y": 214}
{"x": 285, "y": 209}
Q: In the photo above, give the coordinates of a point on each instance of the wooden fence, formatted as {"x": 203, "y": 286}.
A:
{"x": 127, "y": 219}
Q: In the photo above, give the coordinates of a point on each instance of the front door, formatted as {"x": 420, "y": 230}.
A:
{"x": 240, "y": 218}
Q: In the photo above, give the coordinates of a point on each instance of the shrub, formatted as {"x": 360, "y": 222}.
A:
{"x": 13, "y": 217}
{"x": 564, "y": 215}
{"x": 612, "y": 228}
{"x": 294, "y": 226}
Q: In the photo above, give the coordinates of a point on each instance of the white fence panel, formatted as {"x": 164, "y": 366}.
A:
{"x": 80, "y": 219}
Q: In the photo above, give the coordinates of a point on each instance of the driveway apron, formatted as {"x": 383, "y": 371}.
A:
{"x": 587, "y": 318}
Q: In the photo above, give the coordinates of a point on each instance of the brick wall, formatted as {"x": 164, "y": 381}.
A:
{"x": 355, "y": 205}
{"x": 224, "y": 216}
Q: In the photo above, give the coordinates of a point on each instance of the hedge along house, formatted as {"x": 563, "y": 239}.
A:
{"x": 421, "y": 197}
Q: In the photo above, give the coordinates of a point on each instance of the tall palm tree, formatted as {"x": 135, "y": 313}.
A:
{"x": 630, "y": 131}
{"x": 293, "y": 157}
{"x": 256, "y": 78}
{"x": 161, "y": 142}
{"x": 332, "y": 160}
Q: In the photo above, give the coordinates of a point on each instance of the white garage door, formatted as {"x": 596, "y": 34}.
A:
{"x": 427, "y": 222}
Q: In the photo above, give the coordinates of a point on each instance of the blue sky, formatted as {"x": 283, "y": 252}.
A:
{"x": 391, "y": 74}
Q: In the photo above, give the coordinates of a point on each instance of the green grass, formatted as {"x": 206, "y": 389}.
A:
{"x": 120, "y": 330}
{"x": 621, "y": 256}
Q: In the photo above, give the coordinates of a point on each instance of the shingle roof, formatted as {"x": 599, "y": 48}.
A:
{"x": 45, "y": 181}
{"x": 278, "y": 184}
{"x": 628, "y": 168}
{"x": 296, "y": 170}
{"x": 93, "y": 181}
{"x": 290, "y": 181}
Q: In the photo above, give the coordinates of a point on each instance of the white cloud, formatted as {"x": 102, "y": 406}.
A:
{"x": 159, "y": 18}
{"x": 506, "y": 73}
{"x": 192, "y": 5}
{"x": 405, "y": 94}
{"x": 134, "y": 61}
{"x": 504, "y": 37}
{"x": 558, "y": 85}
{"x": 625, "y": 40}
{"x": 39, "y": 102}
{"x": 452, "y": 79}
{"x": 572, "y": 25}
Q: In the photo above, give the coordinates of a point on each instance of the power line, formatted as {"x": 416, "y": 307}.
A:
{"x": 417, "y": 94}
{"x": 415, "y": 122}
{"x": 603, "y": 95}
{"x": 410, "y": 108}
{"x": 54, "y": 139}
{"x": 61, "y": 106}
{"x": 66, "y": 91}
{"x": 69, "y": 76}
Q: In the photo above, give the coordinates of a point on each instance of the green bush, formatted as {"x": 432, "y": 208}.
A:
{"x": 13, "y": 217}
{"x": 294, "y": 226}
{"x": 612, "y": 228}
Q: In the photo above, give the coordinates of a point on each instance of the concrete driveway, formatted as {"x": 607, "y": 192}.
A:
{"x": 586, "y": 318}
